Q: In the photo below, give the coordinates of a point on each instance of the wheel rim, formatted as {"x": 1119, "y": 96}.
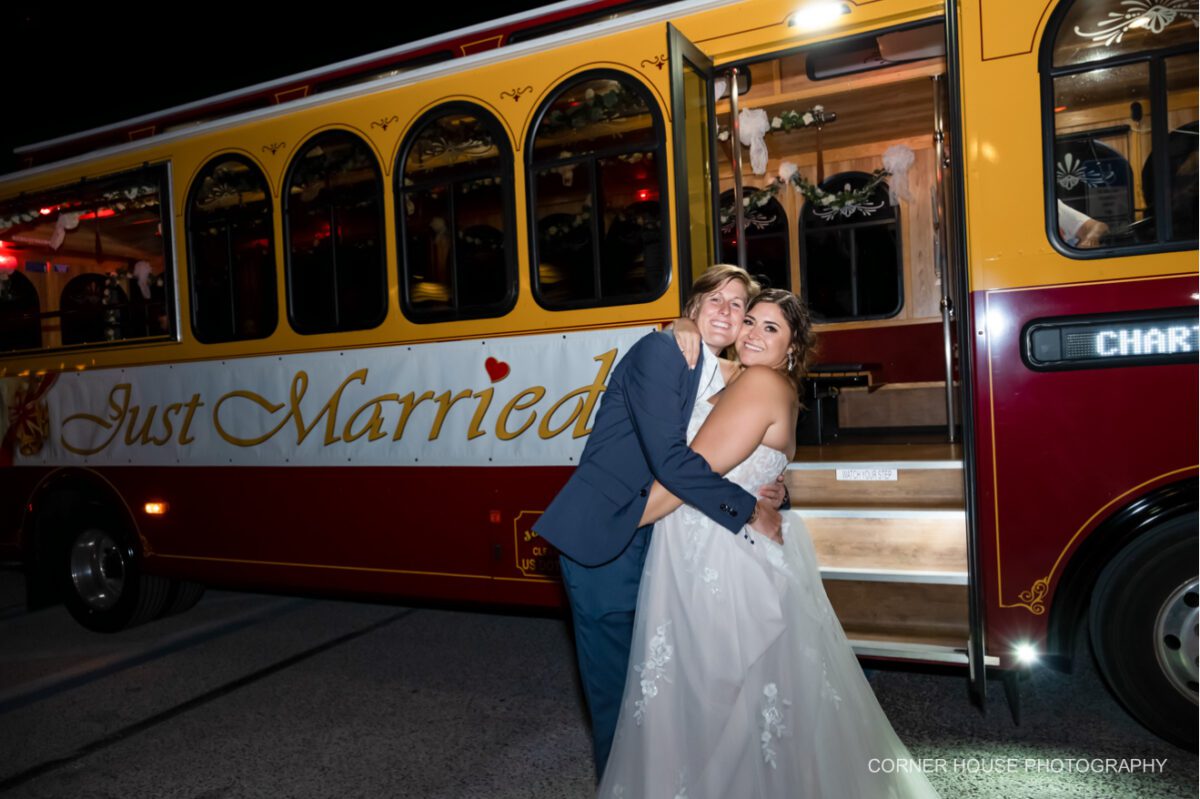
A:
{"x": 97, "y": 569}
{"x": 1177, "y": 637}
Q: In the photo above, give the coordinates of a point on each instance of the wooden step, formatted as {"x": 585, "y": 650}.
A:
{"x": 877, "y": 475}
{"x": 900, "y": 611}
{"x": 893, "y": 544}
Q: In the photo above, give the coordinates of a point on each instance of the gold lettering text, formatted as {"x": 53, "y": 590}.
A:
{"x": 535, "y": 395}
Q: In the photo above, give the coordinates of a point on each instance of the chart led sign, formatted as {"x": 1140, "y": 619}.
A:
{"x": 1154, "y": 337}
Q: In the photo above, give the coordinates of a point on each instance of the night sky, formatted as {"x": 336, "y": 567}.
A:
{"x": 71, "y": 67}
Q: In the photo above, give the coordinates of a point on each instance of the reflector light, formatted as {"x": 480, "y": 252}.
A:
{"x": 1027, "y": 654}
{"x": 156, "y": 508}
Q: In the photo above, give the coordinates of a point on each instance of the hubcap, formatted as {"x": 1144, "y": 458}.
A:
{"x": 97, "y": 569}
{"x": 1177, "y": 637}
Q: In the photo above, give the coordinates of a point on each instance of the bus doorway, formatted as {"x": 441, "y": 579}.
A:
{"x": 832, "y": 170}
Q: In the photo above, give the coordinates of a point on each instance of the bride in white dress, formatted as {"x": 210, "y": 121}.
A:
{"x": 741, "y": 682}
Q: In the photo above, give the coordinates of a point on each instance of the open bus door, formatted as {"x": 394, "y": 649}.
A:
{"x": 951, "y": 241}
{"x": 694, "y": 135}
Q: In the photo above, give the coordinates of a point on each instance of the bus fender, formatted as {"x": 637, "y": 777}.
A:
{"x": 1118, "y": 530}
{"x": 55, "y": 506}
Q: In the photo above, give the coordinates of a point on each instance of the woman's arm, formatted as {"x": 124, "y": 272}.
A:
{"x": 733, "y": 430}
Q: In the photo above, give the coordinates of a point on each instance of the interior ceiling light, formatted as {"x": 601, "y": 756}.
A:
{"x": 817, "y": 15}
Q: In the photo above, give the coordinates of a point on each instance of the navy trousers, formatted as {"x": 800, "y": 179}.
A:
{"x": 603, "y": 602}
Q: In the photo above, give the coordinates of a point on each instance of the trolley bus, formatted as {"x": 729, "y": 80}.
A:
{"x": 345, "y": 332}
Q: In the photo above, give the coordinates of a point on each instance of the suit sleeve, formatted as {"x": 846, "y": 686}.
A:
{"x": 653, "y": 392}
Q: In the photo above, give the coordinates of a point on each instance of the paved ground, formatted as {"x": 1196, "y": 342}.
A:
{"x": 248, "y": 696}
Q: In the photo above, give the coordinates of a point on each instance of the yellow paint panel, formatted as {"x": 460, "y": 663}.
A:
{"x": 1006, "y": 216}
{"x": 1011, "y": 27}
{"x": 745, "y": 30}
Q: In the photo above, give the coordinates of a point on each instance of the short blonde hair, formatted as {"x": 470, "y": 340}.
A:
{"x": 713, "y": 278}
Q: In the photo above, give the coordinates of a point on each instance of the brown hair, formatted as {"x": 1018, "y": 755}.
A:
{"x": 713, "y": 278}
{"x": 795, "y": 312}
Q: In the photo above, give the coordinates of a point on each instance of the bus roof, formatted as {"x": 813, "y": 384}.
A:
{"x": 457, "y": 43}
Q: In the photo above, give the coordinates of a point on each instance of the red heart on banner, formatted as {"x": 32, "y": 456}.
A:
{"x": 497, "y": 370}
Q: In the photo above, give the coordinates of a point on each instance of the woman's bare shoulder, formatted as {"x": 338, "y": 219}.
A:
{"x": 760, "y": 379}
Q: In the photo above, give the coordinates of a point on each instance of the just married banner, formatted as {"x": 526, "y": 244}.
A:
{"x": 525, "y": 400}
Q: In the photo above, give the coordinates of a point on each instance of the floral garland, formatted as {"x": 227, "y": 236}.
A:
{"x": 608, "y": 105}
{"x": 827, "y": 204}
{"x": 790, "y": 120}
{"x": 562, "y": 230}
{"x": 133, "y": 197}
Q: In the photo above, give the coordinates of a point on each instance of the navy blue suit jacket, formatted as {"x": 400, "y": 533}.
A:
{"x": 640, "y": 434}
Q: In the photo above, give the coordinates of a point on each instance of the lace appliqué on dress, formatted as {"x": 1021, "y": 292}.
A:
{"x": 653, "y": 668}
{"x": 828, "y": 692}
{"x": 772, "y": 720}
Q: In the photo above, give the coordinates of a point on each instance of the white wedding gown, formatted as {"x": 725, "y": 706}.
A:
{"x": 741, "y": 682}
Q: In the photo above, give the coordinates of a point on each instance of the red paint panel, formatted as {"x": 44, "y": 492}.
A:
{"x": 391, "y": 532}
{"x": 908, "y": 354}
{"x": 1058, "y": 452}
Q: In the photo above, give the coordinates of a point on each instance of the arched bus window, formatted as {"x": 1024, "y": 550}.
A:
{"x": 333, "y": 210}
{"x": 767, "y": 244}
{"x": 20, "y": 311}
{"x": 596, "y": 202}
{"x": 231, "y": 252}
{"x": 851, "y": 265}
{"x": 1120, "y": 108}
{"x": 97, "y": 252}
{"x": 455, "y": 216}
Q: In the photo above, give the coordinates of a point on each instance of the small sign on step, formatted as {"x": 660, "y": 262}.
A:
{"x": 867, "y": 475}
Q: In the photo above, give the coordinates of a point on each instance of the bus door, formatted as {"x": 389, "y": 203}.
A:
{"x": 694, "y": 136}
{"x": 831, "y": 180}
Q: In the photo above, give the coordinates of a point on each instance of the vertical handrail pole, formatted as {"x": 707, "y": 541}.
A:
{"x": 735, "y": 141}
{"x": 941, "y": 261}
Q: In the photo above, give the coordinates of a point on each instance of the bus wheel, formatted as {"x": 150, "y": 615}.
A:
{"x": 1143, "y": 621}
{"x": 104, "y": 588}
{"x": 181, "y": 596}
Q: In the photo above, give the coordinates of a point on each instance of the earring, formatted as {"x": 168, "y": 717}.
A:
{"x": 791, "y": 360}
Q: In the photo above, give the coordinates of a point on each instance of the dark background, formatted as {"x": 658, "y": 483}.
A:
{"x": 72, "y": 67}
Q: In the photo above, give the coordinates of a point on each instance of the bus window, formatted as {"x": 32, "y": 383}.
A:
{"x": 94, "y": 255}
{"x": 231, "y": 251}
{"x": 336, "y": 273}
{"x": 1182, "y": 147}
{"x": 1114, "y": 83}
{"x": 851, "y": 266}
{"x": 454, "y": 208}
{"x": 767, "y": 245}
{"x": 19, "y": 312}
{"x": 597, "y": 173}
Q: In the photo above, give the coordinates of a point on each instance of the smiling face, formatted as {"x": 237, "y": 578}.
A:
{"x": 719, "y": 314}
{"x": 765, "y": 337}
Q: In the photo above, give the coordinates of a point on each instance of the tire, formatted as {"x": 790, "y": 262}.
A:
{"x": 101, "y": 579}
{"x": 1143, "y": 621}
{"x": 181, "y": 596}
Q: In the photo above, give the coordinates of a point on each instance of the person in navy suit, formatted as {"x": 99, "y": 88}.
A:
{"x": 639, "y": 436}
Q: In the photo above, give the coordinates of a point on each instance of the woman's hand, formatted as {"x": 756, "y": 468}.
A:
{"x": 774, "y": 493}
